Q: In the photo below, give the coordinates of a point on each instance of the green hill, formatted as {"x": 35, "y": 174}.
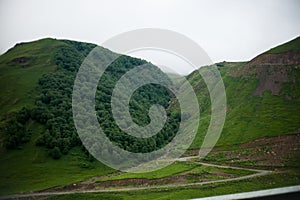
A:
{"x": 249, "y": 115}
{"x": 263, "y": 96}
{"x": 293, "y": 45}
{"x": 40, "y": 123}
{"x": 20, "y": 69}
{"x": 38, "y": 138}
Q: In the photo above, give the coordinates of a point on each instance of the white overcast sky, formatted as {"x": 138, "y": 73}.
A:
{"x": 226, "y": 29}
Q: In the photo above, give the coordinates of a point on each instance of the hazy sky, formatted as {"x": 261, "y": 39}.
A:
{"x": 227, "y": 30}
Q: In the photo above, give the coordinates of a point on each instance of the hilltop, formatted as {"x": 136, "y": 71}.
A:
{"x": 293, "y": 45}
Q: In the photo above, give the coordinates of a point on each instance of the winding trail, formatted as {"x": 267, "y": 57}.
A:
{"x": 184, "y": 159}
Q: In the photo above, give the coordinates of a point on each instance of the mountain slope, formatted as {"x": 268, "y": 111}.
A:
{"x": 29, "y": 167}
{"x": 293, "y": 45}
{"x": 44, "y": 128}
{"x": 263, "y": 100}
{"x": 20, "y": 69}
{"x": 263, "y": 96}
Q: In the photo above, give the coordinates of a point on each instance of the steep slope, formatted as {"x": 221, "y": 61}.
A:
{"x": 263, "y": 100}
{"x": 273, "y": 69}
{"x": 263, "y": 96}
{"x": 29, "y": 167}
{"x": 42, "y": 126}
{"x": 293, "y": 45}
{"x": 20, "y": 69}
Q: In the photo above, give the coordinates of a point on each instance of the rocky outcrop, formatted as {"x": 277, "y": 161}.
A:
{"x": 286, "y": 58}
{"x": 271, "y": 70}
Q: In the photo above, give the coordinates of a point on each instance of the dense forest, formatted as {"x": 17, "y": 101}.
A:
{"x": 53, "y": 99}
{"x": 53, "y": 107}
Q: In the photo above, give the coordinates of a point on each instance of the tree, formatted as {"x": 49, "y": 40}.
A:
{"x": 55, "y": 153}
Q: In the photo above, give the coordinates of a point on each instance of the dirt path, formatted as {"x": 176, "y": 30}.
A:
{"x": 184, "y": 159}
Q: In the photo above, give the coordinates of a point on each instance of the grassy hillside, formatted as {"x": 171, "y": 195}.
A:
{"x": 251, "y": 116}
{"x": 293, "y": 45}
{"x": 260, "y": 183}
{"x": 44, "y": 128}
{"x": 29, "y": 167}
{"x": 20, "y": 69}
{"x": 45, "y": 149}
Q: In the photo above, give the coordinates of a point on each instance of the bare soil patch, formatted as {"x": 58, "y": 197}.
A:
{"x": 271, "y": 151}
{"x": 271, "y": 70}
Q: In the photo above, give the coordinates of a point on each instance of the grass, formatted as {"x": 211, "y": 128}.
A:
{"x": 274, "y": 180}
{"x": 30, "y": 169}
{"x": 249, "y": 117}
{"x": 216, "y": 170}
{"x": 19, "y": 80}
{"x": 175, "y": 168}
{"x": 183, "y": 168}
{"x": 292, "y": 45}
